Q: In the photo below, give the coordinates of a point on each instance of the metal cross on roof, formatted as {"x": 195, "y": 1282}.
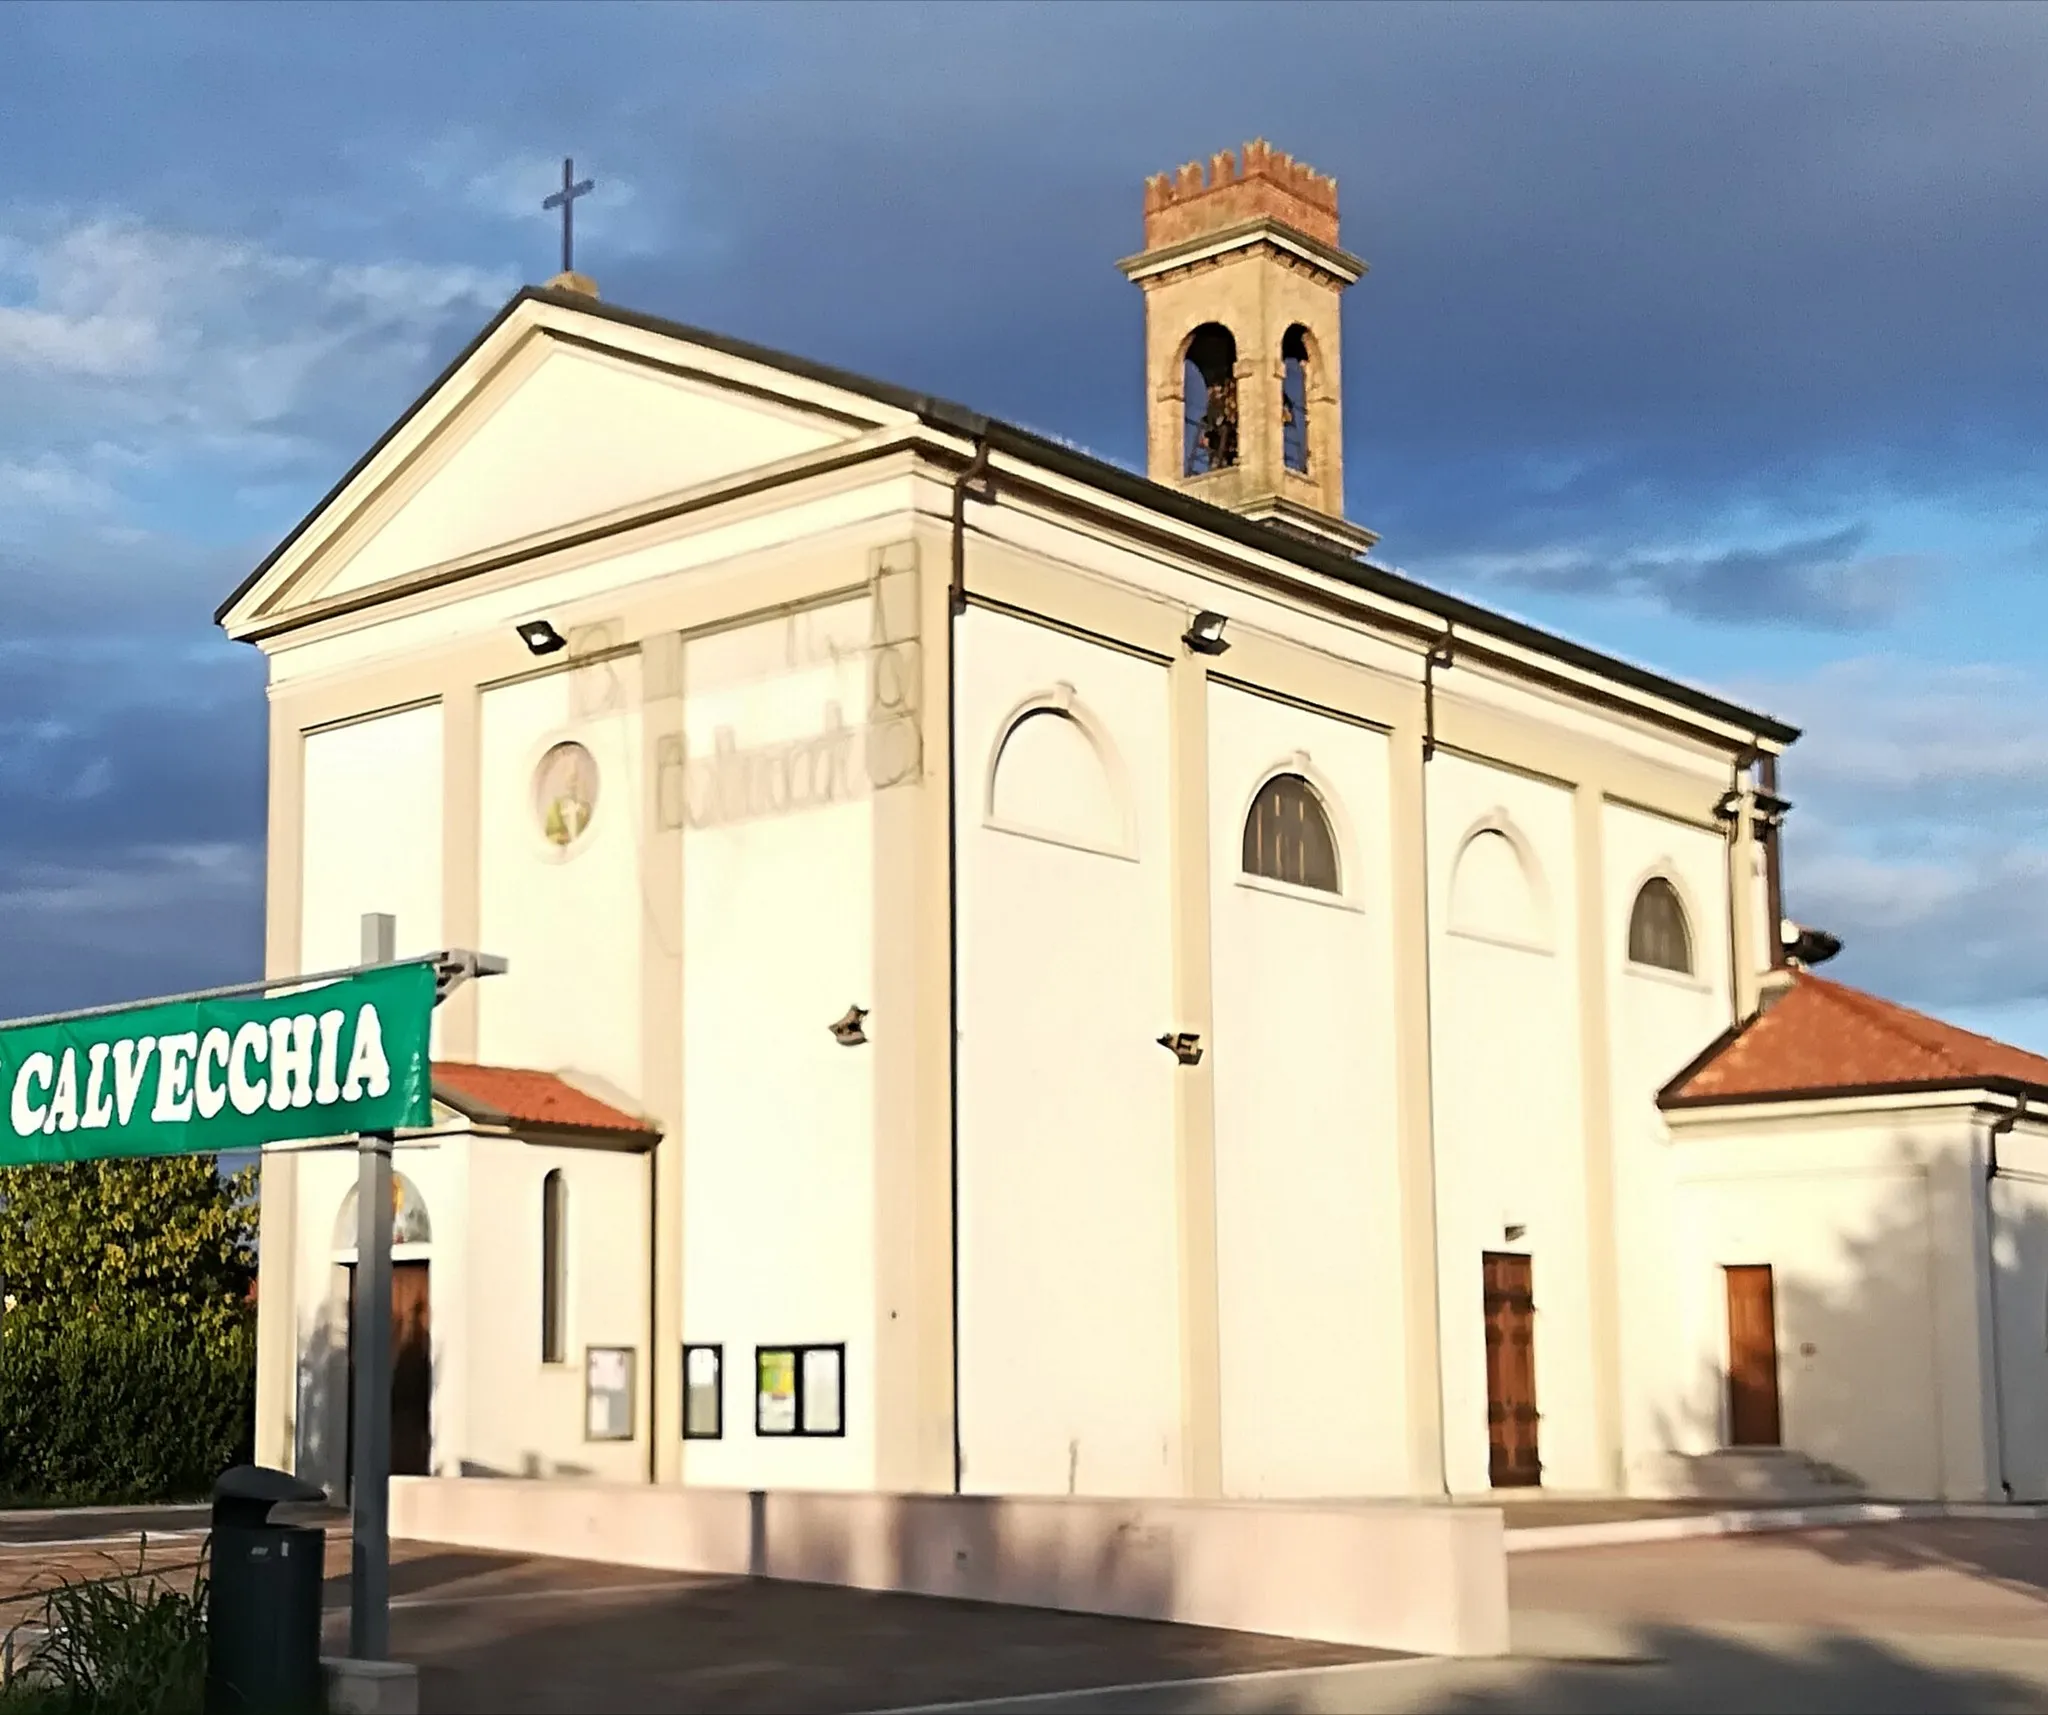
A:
{"x": 565, "y": 200}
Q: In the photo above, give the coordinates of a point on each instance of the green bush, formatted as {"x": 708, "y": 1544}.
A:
{"x": 121, "y": 1405}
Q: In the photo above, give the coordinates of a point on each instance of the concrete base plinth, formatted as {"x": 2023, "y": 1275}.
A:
{"x": 371, "y": 1687}
{"x": 1385, "y": 1575}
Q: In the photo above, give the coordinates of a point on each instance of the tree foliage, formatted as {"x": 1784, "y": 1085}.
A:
{"x": 163, "y": 1234}
{"x": 137, "y": 1407}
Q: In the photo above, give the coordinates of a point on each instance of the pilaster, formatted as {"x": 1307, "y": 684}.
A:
{"x": 1194, "y": 1086}
{"x": 277, "y": 1343}
{"x": 1408, "y": 840}
{"x": 661, "y": 1050}
{"x": 1596, "y": 1101}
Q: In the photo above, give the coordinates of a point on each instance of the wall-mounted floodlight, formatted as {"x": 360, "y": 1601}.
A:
{"x": 1729, "y": 807}
{"x": 1804, "y": 946}
{"x": 1184, "y": 1045}
{"x": 458, "y": 965}
{"x": 541, "y": 637}
{"x": 847, "y": 1031}
{"x": 1205, "y": 636}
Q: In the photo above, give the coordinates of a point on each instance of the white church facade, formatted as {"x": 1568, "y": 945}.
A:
{"x": 1028, "y": 979}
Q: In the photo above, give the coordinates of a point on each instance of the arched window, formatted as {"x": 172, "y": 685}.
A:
{"x": 1287, "y": 836}
{"x": 1294, "y": 398}
{"x": 409, "y": 1223}
{"x": 1209, "y": 393}
{"x": 1657, "y": 932}
{"x": 554, "y": 1268}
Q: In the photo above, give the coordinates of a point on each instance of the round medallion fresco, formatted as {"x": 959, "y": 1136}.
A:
{"x": 565, "y": 793}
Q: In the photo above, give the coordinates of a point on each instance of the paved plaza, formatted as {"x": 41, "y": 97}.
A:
{"x": 1925, "y": 1615}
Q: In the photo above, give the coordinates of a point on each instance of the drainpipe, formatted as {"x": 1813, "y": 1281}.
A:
{"x": 1774, "y": 875}
{"x": 1999, "y": 1127}
{"x": 964, "y": 490}
{"x": 653, "y": 1322}
{"x": 1439, "y": 656}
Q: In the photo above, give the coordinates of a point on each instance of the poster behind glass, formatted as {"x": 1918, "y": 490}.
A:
{"x": 608, "y": 1393}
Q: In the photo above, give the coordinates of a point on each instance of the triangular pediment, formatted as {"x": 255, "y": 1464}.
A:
{"x": 553, "y": 421}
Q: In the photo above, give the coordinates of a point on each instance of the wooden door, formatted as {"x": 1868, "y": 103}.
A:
{"x": 1752, "y": 1357}
{"x": 1511, "y": 1416}
{"x": 412, "y": 1371}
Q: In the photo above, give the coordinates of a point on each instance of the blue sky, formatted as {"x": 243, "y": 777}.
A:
{"x": 1709, "y": 335}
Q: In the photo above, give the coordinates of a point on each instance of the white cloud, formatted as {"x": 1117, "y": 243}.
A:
{"x": 1894, "y": 725}
{"x": 143, "y": 919}
{"x": 142, "y": 880}
{"x": 180, "y": 345}
{"x": 509, "y": 185}
{"x": 1919, "y": 832}
{"x": 1826, "y": 581}
{"x": 464, "y": 167}
{"x": 49, "y": 483}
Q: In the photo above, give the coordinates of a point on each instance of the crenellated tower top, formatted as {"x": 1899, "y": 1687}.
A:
{"x": 1232, "y": 189}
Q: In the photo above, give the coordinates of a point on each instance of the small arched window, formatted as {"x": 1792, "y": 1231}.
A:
{"x": 1287, "y": 836}
{"x": 1294, "y": 398}
{"x": 1657, "y": 932}
{"x": 554, "y": 1268}
{"x": 1209, "y": 393}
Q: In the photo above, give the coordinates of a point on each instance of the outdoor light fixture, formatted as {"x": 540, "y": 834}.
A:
{"x": 1730, "y": 806}
{"x": 847, "y": 1031}
{"x": 541, "y": 637}
{"x": 1186, "y": 1046}
{"x": 1205, "y": 636}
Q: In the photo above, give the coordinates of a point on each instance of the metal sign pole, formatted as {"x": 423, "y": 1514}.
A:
{"x": 369, "y": 1611}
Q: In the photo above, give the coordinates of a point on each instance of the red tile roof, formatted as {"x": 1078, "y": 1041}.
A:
{"x": 1822, "y": 1038}
{"x": 543, "y": 1101}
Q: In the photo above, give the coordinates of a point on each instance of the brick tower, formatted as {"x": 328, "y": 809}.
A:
{"x": 1244, "y": 386}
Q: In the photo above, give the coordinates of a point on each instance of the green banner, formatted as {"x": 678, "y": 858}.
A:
{"x": 195, "y": 1077}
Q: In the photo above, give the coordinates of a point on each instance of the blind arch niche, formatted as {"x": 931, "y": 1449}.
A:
{"x": 1054, "y": 776}
{"x": 1496, "y": 890}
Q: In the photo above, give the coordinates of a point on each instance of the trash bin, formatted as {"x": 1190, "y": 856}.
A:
{"x": 263, "y": 1610}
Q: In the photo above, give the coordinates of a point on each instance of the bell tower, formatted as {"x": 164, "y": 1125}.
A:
{"x": 1244, "y": 395}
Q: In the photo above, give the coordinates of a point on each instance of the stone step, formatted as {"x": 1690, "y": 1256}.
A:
{"x": 1745, "y": 1474}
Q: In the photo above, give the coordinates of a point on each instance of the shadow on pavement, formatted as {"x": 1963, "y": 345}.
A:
{"x": 1681, "y": 1672}
{"x": 2011, "y": 1553}
{"x": 747, "y": 1645}
{"x": 1694, "y": 1672}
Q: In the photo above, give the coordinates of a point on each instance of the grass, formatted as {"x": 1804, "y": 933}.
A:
{"x": 131, "y": 1643}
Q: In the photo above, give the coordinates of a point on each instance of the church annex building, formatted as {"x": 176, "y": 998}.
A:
{"x": 1031, "y": 980}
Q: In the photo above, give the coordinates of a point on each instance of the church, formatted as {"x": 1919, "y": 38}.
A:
{"x": 1029, "y": 979}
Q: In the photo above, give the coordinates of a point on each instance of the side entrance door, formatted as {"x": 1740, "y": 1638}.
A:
{"x": 1752, "y": 1357}
{"x": 412, "y": 1372}
{"x": 1511, "y": 1416}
